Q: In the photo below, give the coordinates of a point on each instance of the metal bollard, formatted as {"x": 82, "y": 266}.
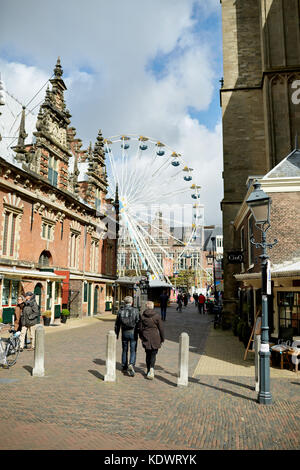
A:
{"x": 110, "y": 375}
{"x": 39, "y": 352}
{"x": 183, "y": 363}
{"x": 257, "y": 349}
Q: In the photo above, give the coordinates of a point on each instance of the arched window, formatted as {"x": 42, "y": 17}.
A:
{"x": 45, "y": 258}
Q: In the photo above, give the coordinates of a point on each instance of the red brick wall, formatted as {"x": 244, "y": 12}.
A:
{"x": 285, "y": 226}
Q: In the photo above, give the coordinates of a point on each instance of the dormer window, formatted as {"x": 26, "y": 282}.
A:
{"x": 53, "y": 170}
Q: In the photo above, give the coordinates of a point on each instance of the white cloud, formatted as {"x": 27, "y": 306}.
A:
{"x": 105, "y": 50}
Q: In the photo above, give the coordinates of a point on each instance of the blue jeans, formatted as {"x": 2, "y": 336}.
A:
{"x": 163, "y": 311}
{"x": 128, "y": 337}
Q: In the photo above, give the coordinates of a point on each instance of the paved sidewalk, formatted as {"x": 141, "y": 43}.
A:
{"x": 73, "y": 408}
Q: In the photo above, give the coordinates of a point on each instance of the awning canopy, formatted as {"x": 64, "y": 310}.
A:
{"x": 157, "y": 283}
{"x": 29, "y": 273}
{"x": 291, "y": 269}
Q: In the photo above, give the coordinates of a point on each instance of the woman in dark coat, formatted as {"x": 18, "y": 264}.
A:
{"x": 151, "y": 333}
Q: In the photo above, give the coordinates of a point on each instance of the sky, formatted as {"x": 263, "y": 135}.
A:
{"x": 131, "y": 67}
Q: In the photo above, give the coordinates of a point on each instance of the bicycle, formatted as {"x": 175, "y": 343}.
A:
{"x": 10, "y": 352}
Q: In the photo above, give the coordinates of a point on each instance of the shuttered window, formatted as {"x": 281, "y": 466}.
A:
{"x": 9, "y": 234}
{"x": 5, "y": 234}
{"x": 74, "y": 249}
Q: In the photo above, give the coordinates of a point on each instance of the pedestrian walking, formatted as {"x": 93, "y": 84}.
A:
{"x": 179, "y": 302}
{"x": 164, "y": 299}
{"x": 185, "y": 299}
{"x": 196, "y": 297}
{"x": 127, "y": 321}
{"x": 29, "y": 320}
{"x": 18, "y": 313}
{"x": 151, "y": 333}
{"x": 201, "y": 303}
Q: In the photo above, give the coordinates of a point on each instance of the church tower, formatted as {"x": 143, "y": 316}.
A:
{"x": 260, "y": 115}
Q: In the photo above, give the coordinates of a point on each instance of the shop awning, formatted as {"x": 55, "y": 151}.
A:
{"x": 279, "y": 270}
{"x": 11, "y": 273}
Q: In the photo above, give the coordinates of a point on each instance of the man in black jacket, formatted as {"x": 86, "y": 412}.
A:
{"x": 163, "y": 299}
{"x": 127, "y": 320}
{"x": 29, "y": 319}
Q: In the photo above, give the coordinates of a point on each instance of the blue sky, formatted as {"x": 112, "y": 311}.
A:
{"x": 150, "y": 68}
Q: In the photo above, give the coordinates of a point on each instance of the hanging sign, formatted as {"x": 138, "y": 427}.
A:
{"x": 235, "y": 257}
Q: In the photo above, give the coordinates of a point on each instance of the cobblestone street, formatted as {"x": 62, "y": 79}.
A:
{"x": 73, "y": 408}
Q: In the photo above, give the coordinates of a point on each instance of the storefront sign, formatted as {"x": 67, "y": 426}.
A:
{"x": 235, "y": 257}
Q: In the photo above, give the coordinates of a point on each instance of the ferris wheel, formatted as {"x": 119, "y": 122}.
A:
{"x": 150, "y": 174}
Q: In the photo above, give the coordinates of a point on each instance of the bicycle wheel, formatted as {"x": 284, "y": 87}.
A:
{"x": 12, "y": 351}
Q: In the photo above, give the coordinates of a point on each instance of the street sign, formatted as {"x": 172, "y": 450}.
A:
{"x": 235, "y": 257}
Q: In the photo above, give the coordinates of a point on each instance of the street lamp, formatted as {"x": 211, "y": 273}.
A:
{"x": 260, "y": 204}
{"x": 115, "y": 307}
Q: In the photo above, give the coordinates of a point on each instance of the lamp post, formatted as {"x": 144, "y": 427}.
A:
{"x": 115, "y": 307}
{"x": 260, "y": 204}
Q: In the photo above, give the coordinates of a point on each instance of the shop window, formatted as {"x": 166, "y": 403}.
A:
{"x": 289, "y": 310}
{"x": 57, "y": 292}
{"x": 5, "y": 292}
{"x": 10, "y": 292}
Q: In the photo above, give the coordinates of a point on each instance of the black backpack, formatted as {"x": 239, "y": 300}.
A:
{"x": 128, "y": 318}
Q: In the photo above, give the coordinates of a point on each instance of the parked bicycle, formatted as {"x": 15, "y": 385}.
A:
{"x": 9, "y": 348}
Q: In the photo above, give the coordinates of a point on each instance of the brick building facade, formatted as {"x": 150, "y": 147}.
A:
{"x": 53, "y": 236}
{"x": 282, "y": 184}
{"x": 261, "y": 63}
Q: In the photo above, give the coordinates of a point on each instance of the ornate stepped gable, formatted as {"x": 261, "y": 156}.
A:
{"x": 57, "y": 153}
{"x": 97, "y": 177}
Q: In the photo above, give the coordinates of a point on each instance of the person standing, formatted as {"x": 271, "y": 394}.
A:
{"x": 29, "y": 319}
{"x": 196, "y": 296}
{"x": 164, "y": 298}
{"x": 18, "y": 313}
{"x": 201, "y": 303}
{"x": 151, "y": 333}
{"x": 185, "y": 299}
{"x": 179, "y": 302}
{"x": 127, "y": 320}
